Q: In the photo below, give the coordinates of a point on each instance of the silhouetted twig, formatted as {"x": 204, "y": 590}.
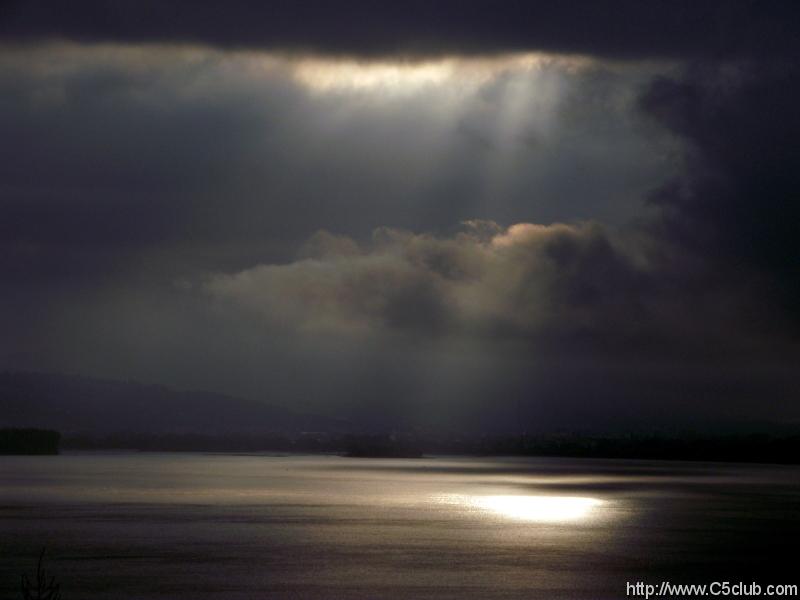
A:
{"x": 44, "y": 589}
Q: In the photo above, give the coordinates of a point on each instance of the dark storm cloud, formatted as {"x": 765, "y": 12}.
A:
{"x": 738, "y": 203}
{"x": 621, "y": 28}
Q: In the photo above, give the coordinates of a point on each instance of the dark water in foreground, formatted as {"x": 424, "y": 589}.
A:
{"x": 226, "y": 526}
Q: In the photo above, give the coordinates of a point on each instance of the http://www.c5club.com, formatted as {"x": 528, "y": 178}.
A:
{"x": 667, "y": 589}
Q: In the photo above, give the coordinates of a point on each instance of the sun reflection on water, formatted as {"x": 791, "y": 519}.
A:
{"x": 540, "y": 509}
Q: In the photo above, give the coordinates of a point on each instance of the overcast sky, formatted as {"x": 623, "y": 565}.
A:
{"x": 461, "y": 214}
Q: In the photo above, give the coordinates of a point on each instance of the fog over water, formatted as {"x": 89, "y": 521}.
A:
{"x": 237, "y": 526}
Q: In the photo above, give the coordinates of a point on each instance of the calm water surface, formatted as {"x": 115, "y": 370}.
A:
{"x": 230, "y": 526}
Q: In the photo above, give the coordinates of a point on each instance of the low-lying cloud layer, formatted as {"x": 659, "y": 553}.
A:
{"x": 579, "y": 289}
{"x": 483, "y": 281}
{"x": 578, "y": 325}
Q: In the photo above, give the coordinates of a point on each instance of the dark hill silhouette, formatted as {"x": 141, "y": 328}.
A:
{"x": 84, "y": 404}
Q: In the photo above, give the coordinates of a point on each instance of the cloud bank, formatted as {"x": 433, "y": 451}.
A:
{"x": 578, "y": 289}
{"x": 483, "y": 280}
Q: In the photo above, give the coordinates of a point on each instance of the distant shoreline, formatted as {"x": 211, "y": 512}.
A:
{"x": 753, "y": 448}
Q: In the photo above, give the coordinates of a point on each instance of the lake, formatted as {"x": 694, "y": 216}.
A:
{"x": 200, "y": 526}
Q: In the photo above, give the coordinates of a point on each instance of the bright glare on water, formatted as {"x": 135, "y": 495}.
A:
{"x": 236, "y": 527}
{"x": 539, "y": 509}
